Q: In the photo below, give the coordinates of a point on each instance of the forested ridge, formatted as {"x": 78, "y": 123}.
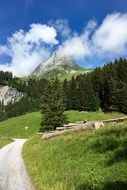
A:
{"x": 100, "y": 89}
{"x": 104, "y": 87}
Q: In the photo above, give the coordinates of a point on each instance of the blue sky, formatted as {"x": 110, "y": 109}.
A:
{"x": 84, "y": 23}
{"x": 16, "y": 14}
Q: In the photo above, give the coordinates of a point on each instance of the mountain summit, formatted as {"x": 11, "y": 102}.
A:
{"x": 57, "y": 63}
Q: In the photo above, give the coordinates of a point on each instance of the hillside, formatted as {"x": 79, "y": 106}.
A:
{"x": 79, "y": 161}
{"x": 61, "y": 73}
{"x": 74, "y": 161}
{"x": 15, "y": 127}
{"x": 58, "y": 72}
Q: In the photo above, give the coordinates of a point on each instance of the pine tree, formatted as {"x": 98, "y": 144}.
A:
{"x": 72, "y": 96}
{"x": 89, "y": 98}
{"x": 2, "y": 111}
{"x": 66, "y": 92}
{"x": 53, "y": 107}
{"x": 109, "y": 89}
{"x": 122, "y": 99}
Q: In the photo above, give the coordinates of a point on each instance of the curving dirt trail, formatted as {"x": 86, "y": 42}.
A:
{"x": 13, "y": 175}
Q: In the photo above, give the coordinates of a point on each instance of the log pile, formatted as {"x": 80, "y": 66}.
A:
{"x": 81, "y": 126}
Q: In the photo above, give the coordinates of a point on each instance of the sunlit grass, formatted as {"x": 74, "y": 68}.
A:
{"x": 91, "y": 116}
{"x": 79, "y": 161}
{"x": 4, "y": 142}
{"x": 15, "y": 127}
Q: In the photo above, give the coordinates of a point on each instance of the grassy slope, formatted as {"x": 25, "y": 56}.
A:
{"x": 60, "y": 74}
{"x": 15, "y": 127}
{"x": 81, "y": 116}
{"x": 4, "y": 142}
{"x": 94, "y": 160}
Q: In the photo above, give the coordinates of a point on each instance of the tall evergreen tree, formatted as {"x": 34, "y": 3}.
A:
{"x": 88, "y": 97}
{"x": 3, "y": 114}
{"x": 72, "y": 95}
{"x": 53, "y": 106}
{"x": 122, "y": 99}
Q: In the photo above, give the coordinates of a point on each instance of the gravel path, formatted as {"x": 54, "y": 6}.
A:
{"x": 13, "y": 175}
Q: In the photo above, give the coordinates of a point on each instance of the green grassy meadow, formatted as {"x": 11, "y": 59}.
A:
{"x": 60, "y": 73}
{"x": 91, "y": 116}
{"x": 15, "y": 127}
{"x": 4, "y": 142}
{"x": 94, "y": 160}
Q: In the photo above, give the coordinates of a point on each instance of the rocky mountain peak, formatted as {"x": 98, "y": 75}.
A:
{"x": 56, "y": 61}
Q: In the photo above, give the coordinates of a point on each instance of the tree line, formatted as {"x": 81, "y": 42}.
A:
{"x": 103, "y": 88}
{"x": 100, "y": 89}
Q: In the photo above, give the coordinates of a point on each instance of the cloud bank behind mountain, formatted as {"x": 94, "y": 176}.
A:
{"x": 25, "y": 50}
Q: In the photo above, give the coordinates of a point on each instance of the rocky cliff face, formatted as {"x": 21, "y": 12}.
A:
{"x": 8, "y": 94}
{"x": 56, "y": 61}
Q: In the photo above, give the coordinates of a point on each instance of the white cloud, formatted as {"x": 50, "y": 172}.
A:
{"x": 39, "y": 32}
{"x": 4, "y": 50}
{"x": 28, "y": 49}
{"x": 76, "y": 46}
{"x": 91, "y": 25}
{"x": 111, "y": 36}
{"x": 36, "y": 34}
{"x": 109, "y": 40}
{"x": 62, "y": 26}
